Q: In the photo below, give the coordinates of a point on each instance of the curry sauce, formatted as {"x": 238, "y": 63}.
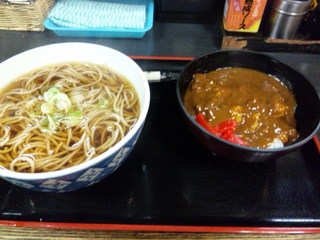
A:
{"x": 260, "y": 104}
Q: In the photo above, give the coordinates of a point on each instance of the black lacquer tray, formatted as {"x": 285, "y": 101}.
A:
{"x": 170, "y": 179}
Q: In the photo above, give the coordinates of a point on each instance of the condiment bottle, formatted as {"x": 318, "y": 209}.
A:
{"x": 285, "y": 18}
{"x": 243, "y": 15}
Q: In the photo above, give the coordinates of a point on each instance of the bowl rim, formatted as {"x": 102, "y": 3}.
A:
{"x": 286, "y": 148}
{"x": 5, "y": 173}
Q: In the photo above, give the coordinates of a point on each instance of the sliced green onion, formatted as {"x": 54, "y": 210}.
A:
{"x": 76, "y": 98}
{"x": 46, "y": 108}
{"x": 56, "y": 108}
{"x": 103, "y": 103}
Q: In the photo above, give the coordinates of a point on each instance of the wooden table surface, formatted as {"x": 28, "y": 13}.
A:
{"x": 61, "y": 231}
{"x": 61, "y": 234}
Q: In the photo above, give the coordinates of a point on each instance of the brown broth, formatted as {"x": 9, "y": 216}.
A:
{"x": 260, "y": 104}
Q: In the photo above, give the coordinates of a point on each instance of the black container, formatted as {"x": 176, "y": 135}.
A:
{"x": 310, "y": 26}
{"x": 307, "y": 112}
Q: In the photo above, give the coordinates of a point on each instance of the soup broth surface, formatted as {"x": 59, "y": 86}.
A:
{"x": 61, "y": 115}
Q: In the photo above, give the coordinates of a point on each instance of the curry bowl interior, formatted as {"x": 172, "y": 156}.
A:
{"x": 308, "y": 105}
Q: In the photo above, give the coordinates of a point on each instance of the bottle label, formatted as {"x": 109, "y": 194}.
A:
{"x": 243, "y": 15}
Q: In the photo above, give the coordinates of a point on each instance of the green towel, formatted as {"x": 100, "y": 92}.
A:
{"x": 97, "y": 14}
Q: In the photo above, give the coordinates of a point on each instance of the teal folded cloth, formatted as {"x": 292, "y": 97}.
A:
{"x": 97, "y": 14}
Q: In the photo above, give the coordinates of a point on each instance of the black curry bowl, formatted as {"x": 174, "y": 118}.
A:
{"x": 307, "y": 112}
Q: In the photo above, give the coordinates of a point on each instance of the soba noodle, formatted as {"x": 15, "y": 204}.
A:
{"x": 59, "y": 116}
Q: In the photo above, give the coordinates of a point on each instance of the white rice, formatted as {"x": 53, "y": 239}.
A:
{"x": 277, "y": 143}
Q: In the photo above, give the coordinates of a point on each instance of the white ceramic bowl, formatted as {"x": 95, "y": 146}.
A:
{"x": 98, "y": 168}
